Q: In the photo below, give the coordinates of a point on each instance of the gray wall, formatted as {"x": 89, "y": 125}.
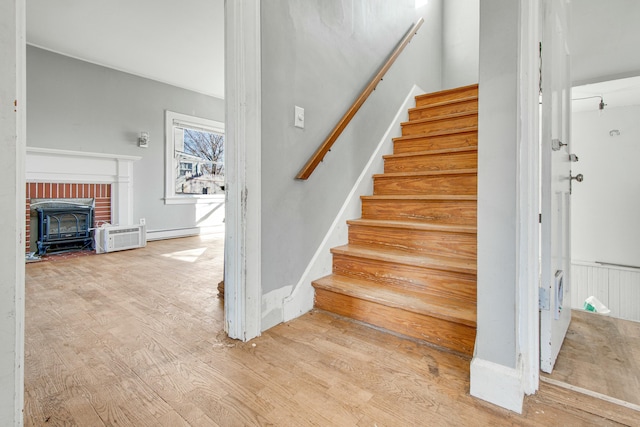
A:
{"x": 460, "y": 32}
{"x": 497, "y": 161}
{"x": 75, "y": 105}
{"x": 319, "y": 55}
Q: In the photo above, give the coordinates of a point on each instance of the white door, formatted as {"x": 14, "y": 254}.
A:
{"x": 555, "y": 286}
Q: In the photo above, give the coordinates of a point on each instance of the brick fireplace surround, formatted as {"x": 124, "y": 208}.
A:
{"x": 107, "y": 178}
{"x": 101, "y": 193}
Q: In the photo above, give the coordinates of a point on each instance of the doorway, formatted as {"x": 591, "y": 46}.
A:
{"x": 600, "y": 354}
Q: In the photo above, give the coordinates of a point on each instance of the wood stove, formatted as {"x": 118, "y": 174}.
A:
{"x": 64, "y": 226}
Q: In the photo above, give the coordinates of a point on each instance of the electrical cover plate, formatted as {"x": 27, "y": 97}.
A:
{"x": 298, "y": 119}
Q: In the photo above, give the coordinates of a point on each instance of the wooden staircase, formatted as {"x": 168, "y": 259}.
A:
{"x": 410, "y": 264}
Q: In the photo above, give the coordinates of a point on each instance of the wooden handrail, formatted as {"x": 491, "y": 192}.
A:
{"x": 324, "y": 148}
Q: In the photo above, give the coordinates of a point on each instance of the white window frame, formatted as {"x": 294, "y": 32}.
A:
{"x": 170, "y": 195}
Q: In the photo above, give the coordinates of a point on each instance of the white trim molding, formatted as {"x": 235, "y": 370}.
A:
{"x": 51, "y": 165}
{"x": 12, "y": 219}
{"x": 497, "y": 384}
{"x": 300, "y": 300}
{"x": 528, "y": 195}
{"x": 172, "y": 234}
{"x": 242, "y": 260}
{"x": 170, "y": 196}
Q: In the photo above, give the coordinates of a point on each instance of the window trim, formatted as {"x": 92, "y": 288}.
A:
{"x": 170, "y": 196}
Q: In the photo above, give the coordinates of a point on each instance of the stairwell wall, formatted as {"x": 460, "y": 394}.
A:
{"x": 319, "y": 55}
{"x": 497, "y": 162}
{"x": 505, "y": 365}
{"x": 460, "y": 44}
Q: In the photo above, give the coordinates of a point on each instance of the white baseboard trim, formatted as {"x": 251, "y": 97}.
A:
{"x": 301, "y": 298}
{"x": 172, "y": 234}
{"x": 183, "y": 232}
{"x": 497, "y": 384}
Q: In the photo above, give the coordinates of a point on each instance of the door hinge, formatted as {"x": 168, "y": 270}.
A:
{"x": 543, "y": 298}
{"x": 540, "y": 68}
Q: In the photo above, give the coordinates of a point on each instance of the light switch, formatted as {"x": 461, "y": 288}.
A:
{"x": 298, "y": 120}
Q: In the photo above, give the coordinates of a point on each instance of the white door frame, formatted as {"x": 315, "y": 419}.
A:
{"x": 242, "y": 258}
{"x": 12, "y": 166}
{"x": 528, "y": 203}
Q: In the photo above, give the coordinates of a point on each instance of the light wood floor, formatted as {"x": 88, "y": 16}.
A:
{"x": 601, "y": 354}
{"x": 135, "y": 339}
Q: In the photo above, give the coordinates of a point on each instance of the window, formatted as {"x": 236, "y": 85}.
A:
{"x": 194, "y": 161}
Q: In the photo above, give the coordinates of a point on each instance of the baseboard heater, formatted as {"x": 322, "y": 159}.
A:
{"x": 119, "y": 238}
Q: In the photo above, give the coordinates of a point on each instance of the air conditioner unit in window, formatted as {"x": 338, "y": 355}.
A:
{"x": 120, "y": 237}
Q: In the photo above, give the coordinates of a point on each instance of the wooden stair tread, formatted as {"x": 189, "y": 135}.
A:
{"x": 448, "y": 91}
{"x": 420, "y": 197}
{"x": 447, "y": 102}
{"x": 434, "y": 262}
{"x": 427, "y": 173}
{"x": 430, "y": 305}
{"x": 418, "y": 226}
{"x": 410, "y": 264}
{"x": 441, "y": 118}
{"x": 468, "y": 129}
{"x": 468, "y": 148}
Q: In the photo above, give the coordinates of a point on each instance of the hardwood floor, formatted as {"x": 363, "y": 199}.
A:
{"x": 601, "y": 354}
{"x": 135, "y": 339}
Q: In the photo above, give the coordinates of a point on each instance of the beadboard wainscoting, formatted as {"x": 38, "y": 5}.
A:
{"x": 616, "y": 287}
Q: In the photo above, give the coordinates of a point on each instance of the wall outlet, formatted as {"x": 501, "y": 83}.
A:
{"x": 143, "y": 221}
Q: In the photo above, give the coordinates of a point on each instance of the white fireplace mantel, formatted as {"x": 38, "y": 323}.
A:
{"x": 51, "y": 165}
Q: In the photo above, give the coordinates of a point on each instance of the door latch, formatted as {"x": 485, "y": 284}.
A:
{"x": 578, "y": 178}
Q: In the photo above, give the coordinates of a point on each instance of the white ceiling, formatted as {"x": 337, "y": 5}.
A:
{"x": 604, "y": 40}
{"x": 605, "y": 36}
{"x": 615, "y": 93}
{"x": 182, "y": 43}
{"x": 175, "y": 42}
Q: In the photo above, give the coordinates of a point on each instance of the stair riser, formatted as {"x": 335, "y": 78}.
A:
{"x": 415, "y": 128}
{"x": 437, "y": 211}
{"x": 408, "y": 277}
{"x": 458, "y": 107}
{"x": 439, "y": 162}
{"x": 462, "y": 184}
{"x": 463, "y": 139}
{"x": 450, "y": 335}
{"x": 459, "y": 245}
{"x": 433, "y": 98}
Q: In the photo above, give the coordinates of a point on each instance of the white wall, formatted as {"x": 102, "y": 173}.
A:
{"x": 78, "y": 106}
{"x": 12, "y": 147}
{"x": 460, "y": 44}
{"x": 605, "y": 207}
{"x": 604, "y": 35}
{"x": 319, "y": 55}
